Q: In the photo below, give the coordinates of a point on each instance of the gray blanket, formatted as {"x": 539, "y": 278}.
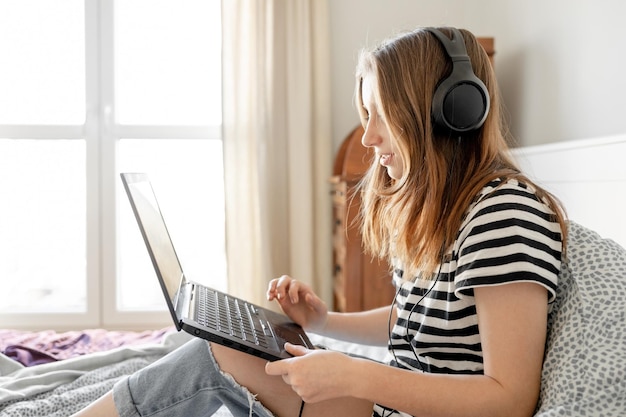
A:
{"x": 62, "y": 388}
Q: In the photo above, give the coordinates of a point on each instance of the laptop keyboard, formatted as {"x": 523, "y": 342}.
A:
{"x": 231, "y": 316}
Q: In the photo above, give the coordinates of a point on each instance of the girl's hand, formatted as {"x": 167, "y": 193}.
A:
{"x": 315, "y": 375}
{"x": 299, "y": 302}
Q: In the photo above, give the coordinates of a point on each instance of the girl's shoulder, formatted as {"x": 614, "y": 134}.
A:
{"x": 506, "y": 186}
{"x": 507, "y": 194}
{"x": 508, "y": 201}
{"x": 513, "y": 231}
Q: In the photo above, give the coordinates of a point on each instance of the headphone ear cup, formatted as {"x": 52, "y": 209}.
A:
{"x": 461, "y": 100}
{"x": 460, "y": 104}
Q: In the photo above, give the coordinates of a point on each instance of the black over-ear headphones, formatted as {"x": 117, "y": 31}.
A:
{"x": 461, "y": 100}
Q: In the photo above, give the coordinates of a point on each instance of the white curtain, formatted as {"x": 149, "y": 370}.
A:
{"x": 277, "y": 144}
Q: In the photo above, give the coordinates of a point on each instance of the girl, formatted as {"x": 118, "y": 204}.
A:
{"x": 475, "y": 248}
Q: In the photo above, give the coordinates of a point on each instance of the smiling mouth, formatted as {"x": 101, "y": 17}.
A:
{"x": 385, "y": 159}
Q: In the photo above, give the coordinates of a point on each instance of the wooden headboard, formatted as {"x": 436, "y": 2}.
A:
{"x": 588, "y": 176}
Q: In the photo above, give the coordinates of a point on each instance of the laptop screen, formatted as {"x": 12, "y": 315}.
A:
{"x": 155, "y": 233}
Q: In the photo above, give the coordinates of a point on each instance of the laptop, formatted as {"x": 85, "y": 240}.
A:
{"x": 200, "y": 310}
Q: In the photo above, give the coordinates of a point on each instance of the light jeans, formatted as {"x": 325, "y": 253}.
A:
{"x": 185, "y": 383}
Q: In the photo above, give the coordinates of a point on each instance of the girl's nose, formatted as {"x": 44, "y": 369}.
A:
{"x": 370, "y": 137}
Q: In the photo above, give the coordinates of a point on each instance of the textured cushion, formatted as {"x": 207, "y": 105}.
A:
{"x": 584, "y": 372}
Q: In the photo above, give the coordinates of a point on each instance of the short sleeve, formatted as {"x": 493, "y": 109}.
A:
{"x": 508, "y": 236}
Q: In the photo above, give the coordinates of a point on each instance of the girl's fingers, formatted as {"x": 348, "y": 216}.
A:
{"x": 282, "y": 287}
{"x": 294, "y": 288}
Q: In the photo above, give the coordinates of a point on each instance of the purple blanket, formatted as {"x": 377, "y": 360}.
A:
{"x": 34, "y": 348}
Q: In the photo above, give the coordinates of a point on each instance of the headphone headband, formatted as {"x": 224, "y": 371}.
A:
{"x": 461, "y": 100}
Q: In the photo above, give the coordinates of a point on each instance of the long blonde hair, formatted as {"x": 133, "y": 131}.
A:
{"x": 416, "y": 218}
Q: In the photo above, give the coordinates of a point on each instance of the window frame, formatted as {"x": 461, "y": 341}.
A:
{"x": 101, "y": 134}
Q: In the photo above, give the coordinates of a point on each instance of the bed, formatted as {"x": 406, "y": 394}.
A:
{"x": 588, "y": 176}
{"x": 56, "y": 374}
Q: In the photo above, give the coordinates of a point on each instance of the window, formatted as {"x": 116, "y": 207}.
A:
{"x": 89, "y": 89}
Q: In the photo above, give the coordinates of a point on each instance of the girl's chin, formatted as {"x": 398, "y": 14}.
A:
{"x": 394, "y": 172}
{"x": 388, "y": 161}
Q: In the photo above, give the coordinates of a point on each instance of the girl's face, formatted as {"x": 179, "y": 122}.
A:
{"x": 377, "y": 134}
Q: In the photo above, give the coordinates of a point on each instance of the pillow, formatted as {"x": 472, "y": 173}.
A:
{"x": 584, "y": 370}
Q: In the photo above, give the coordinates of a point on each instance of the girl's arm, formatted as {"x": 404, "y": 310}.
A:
{"x": 304, "y": 307}
{"x": 512, "y": 320}
{"x": 368, "y": 327}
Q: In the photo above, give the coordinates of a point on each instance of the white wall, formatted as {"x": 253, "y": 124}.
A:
{"x": 560, "y": 63}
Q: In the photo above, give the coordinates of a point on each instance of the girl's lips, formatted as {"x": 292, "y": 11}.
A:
{"x": 385, "y": 159}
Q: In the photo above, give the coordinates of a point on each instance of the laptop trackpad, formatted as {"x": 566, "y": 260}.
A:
{"x": 289, "y": 335}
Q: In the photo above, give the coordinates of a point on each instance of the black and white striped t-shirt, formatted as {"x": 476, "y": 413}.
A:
{"x": 508, "y": 235}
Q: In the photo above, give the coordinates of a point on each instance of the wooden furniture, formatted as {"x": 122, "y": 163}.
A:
{"x": 488, "y": 46}
{"x": 360, "y": 282}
